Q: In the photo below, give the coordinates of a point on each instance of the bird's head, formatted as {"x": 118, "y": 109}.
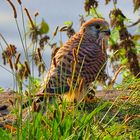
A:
{"x": 97, "y": 28}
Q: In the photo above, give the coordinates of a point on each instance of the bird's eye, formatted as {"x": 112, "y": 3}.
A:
{"x": 97, "y": 26}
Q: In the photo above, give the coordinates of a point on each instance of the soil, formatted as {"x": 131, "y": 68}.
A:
{"x": 9, "y": 97}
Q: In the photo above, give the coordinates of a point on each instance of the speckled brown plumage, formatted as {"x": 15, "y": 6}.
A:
{"x": 90, "y": 56}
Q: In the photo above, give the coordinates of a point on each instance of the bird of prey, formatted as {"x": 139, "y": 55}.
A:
{"x": 77, "y": 64}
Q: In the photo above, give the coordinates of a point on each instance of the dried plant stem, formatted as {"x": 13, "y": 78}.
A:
{"x": 11, "y": 72}
{"x": 74, "y": 65}
{"x": 96, "y": 12}
{"x": 24, "y": 49}
{"x": 13, "y": 7}
{"x": 4, "y": 39}
{"x": 1, "y": 46}
{"x": 131, "y": 93}
{"x": 56, "y": 30}
{"x": 114, "y": 3}
{"x": 23, "y": 23}
{"x": 135, "y": 23}
{"x": 116, "y": 74}
{"x": 7, "y": 70}
{"x": 19, "y": 1}
{"x": 30, "y": 19}
{"x": 78, "y": 78}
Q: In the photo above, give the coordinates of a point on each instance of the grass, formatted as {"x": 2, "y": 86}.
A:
{"x": 84, "y": 121}
{"x": 107, "y": 120}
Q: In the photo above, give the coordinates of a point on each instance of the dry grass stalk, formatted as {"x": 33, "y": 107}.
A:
{"x": 69, "y": 81}
{"x": 19, "y": 1}
{"x": 116, "y": 74}
{"x": 13, "y": 7}
{"x": 10, "y": 63}
{"x": 74, "y": 55}
{"x": 55, "y": 31}
{"x": 17, "y": 61}
{"x": 30, "y": 19}
{"x": 36, "y": 14}
{"x": 27, "y": 67}
{"x": 39, "y": 54}
{"x": 81, "y": 82}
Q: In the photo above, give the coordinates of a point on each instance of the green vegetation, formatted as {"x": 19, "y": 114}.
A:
{"x": 108, "y": 120}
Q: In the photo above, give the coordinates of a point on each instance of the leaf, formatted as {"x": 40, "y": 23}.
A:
{"x": 4, "y": 135}
{"x": 55, "y": 130}
{"x": 115, "y": 34}
{"x": 44, "y": 29}
{"x": 95, "y": 13}
{"x": 136, "y": 37}
{"x": 88, "y": 118}
{"x": 124, "y": 61}
{"x": 1, "y": 89}
{"x": 68, "y": 23}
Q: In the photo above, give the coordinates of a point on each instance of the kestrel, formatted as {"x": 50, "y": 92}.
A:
{"x": 77, "y": 64}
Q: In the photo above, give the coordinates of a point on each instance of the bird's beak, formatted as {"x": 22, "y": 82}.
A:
{"x": 107, "y": 32}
